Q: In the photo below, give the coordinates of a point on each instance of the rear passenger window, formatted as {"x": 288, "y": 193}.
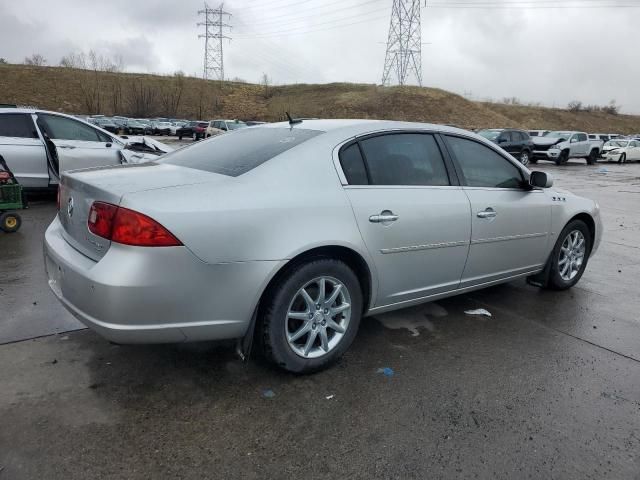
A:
{"x": 483, "y": 167}
{"x": 404, "y": 159}
{"x": 17, "y": 125}
{"x": 353, "y": 165}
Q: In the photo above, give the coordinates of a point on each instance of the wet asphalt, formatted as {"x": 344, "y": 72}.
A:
{"x": 548, "y": 387}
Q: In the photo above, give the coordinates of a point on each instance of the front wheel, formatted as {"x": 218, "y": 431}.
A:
{"x": 10, "y": 222}
{"x": 622, "y": 158}
{"x": 310, "y": 317}
{"x": 562, "y": 158}
{"x": 524, "y": 157}
{"x": 570, "y": 255}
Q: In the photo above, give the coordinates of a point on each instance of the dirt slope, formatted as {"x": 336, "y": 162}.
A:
{"x": 82, "y": 92}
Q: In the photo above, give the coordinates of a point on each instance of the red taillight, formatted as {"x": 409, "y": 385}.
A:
{"x": 122, "y": 225}
{"x": 101, "y": 218}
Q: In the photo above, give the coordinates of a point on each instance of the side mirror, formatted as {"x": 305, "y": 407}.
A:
{"x": 574, "y": 140}
{"x": 540, "y": 180}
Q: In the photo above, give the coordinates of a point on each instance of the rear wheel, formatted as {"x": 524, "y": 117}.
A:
{"x": 592, "y": 158}
{"x": 570, "y": 255}
{"x": 310, "y": 317}
{"x": 525, "y": 157}
{"x": 10, "y": 222}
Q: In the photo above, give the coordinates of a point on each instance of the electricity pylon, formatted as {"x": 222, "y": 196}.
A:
{"x": 213, "y": 36}
{"x": 404, "y": 46}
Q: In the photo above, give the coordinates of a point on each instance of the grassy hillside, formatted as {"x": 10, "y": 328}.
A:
{"x": 87, "y": 92}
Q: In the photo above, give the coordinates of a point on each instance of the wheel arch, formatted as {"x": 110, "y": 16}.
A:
{"x": 349, "y": 256}
{"x": 589, "y": 221}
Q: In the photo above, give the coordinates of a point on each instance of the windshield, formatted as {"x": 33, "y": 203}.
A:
{"x": 562, "y": 135}
{"x": 490, "y": 134}
{"x": 238, "y": 152}
{"x": 236, "y": 125}
{"x": 616, "y": 143}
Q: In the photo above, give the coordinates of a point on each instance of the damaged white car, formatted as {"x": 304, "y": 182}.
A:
{"x": 621, "y": 150}
{"x": 37, "y": 145}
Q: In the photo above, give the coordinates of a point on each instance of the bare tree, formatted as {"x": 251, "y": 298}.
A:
{"x": 36, "y": 60}
{"x": 142, "y": 98}
{"x": 265, "y": 82}
{"x": 171, "y": 94}
{"x": 575, "y": 106}
{"x": 612, "y": 108}
{"x": 3, "y": 61}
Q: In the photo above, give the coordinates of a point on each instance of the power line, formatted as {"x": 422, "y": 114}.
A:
{"x": 296, "y": 16}
{"x": 213, "y": 36}
{"x": 295, "y": 29}
{"x": 404, "y": 46}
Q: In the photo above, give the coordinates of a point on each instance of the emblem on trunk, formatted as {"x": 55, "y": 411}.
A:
{"x": 70, "y": 207}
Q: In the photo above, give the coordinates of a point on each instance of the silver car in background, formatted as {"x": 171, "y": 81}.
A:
{"x": 292, "y": 232}
{"x": 37, "y": 145}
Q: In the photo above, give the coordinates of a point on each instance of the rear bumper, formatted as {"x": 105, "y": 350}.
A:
{"x": 154, "y": 295}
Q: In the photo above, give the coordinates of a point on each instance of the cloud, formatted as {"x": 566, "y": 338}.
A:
{"x": 538, "y": 55}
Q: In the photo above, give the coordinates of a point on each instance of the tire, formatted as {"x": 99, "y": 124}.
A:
{"x": 307, "y": 353}
{"x": 525, "y": 157}
{"x": 10, "y": 222}
{"x": 179, "y": 137}
{"x": 556, "y": 280}
{"x": 592, "y": 159}
{"x": 562, "y": 158}
{"x": 622, "y": 158}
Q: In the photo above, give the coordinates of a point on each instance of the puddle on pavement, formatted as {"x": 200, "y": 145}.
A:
{"x": 413, "y": 318}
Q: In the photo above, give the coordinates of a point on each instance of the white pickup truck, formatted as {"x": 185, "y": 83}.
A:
{"x": 559, "y": 147}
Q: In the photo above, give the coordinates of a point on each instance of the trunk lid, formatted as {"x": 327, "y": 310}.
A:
{"x": 79, "y": 189}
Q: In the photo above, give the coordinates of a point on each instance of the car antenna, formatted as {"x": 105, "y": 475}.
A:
{"x": 293, "y": 121}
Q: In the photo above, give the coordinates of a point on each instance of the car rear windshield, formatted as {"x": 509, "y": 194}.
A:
{"x": 238, "y": 152}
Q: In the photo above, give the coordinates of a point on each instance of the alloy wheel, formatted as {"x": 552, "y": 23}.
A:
{"x": 318, "y": 317}
{"x": 571, "y": 255}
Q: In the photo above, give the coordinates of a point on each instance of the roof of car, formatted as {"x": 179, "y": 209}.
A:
{"x": 364, "y": 125}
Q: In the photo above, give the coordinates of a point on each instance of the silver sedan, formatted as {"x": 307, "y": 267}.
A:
{"x": 292, "y": 232}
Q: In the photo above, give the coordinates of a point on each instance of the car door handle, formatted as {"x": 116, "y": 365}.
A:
{"x": 66, "y": 146}
{"x": 384, "y": 217}
{"x": 488, "y": 213}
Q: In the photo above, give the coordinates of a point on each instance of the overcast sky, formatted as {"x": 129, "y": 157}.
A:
{"x": 586, "y": 49}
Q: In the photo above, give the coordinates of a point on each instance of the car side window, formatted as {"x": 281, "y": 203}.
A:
{"x": 63, "y": 128}
{"x": 483, "y": 167}
{"x": 524, "y": 136}
{"x": 17, "y": 125}
{"x": 404, "y": 159}
{"x": 353, "y": 165}
{"x": 582, "y": 137}
{"x": 505, "y": 137}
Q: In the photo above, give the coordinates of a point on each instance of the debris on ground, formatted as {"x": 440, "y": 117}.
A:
{"x": 329, "y": 397}
{"x": 268, "y": 393}
{"x": 54, "y": 361}
{"x": 479, "y": 312}
{"x": 386, "y": 371}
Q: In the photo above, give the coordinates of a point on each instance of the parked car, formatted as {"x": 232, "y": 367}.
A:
{"x": 516, "y": 142}
{"x": 134, "y": 127}
{"x": 162, "y": 128}
{"x": 148, "y": 128}
{"x": 104, "y": 123}
{"x": 38, "y": 145}
{"x": 559, "y": 147}
{"x": 173, "y": 130}
{"x": 621, "y": 150}
{"x": 216, "y": 127}
{"x": 303, "y": 262}
{"x": 195, "y": 130}
{"x": 603, "y": 137}
{"x": 538, "y": 133}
